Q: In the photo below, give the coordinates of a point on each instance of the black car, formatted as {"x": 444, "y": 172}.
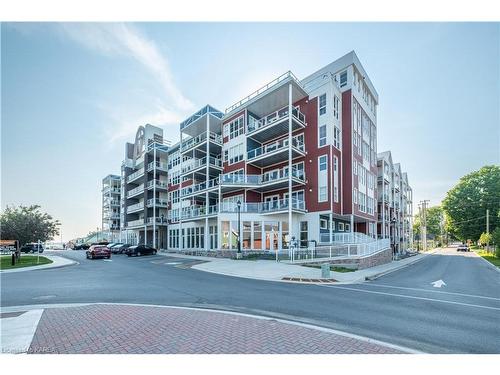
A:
{"x": 32, "y": 248}
{"x": 120, "y": 248}
{"x": 139, "y": 250}
{"x": 81, "y": 246}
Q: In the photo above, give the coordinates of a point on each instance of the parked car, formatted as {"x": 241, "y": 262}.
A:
{"x": 113, "y": 244}
{"x": 120, "y": 249}
{"x": 32, "y": 248}
{"x": 104, "y": 243}
{"x": 98, "y": 251}
{"x": 463, "y": 247}
{"x": 81, "y": 246}
{"x": 139, "y": 250}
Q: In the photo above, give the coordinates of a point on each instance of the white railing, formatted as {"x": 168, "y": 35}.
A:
{"x": 159, "y": 165}
{"x": 262, "y": 89}
{"x": 240, "y": 179}
{"x": 256, "y": 179}
{"x": 158, "y": 202}
{"x": 197, "y": 211}
{"x": 134, "y": 191}
{"x": 199, "y": 187}
{"x": 263, "y": 207}
{"x": 135, "y": 207}
{"x": 256, "y": 124}
{"x": 134, "y": 223}
{"x": 192, "y": 142}
{"x": 135, "y": 175}
{"x": 157, "y": 184}
{"x": 272, "y": 147}
{"x": 346, "y": 238}
{"x": 114, "y": 203}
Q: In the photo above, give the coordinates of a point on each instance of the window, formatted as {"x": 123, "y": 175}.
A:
{"x": 343, "y": 79}
{"x": 225, "y": 131}
{"x": 341, "y": 227}
{"x": 355, "y": 196}
{"x": 322, "y": 104}
{"x": 347, "y": 227}
{"x": 323, "y": 162}
{"x": 323, "y": 223}
{"x": 236, "y": 127}
{"x": 355, "y": 168}
{"x": 236, "y": 153}
{"x": 322, "y": 194}
{"x": 336, "y": 102}
{"x": 335, "y": 179}
{"x": 322, "y": 135}
{"x": 336, "y": 137}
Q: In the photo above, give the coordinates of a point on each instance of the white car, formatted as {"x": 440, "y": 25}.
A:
{"x": 463, "y": 247}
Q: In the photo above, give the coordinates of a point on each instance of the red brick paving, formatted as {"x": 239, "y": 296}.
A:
{"x": 130, "y": 329}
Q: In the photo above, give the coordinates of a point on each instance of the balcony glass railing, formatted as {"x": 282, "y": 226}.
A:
{"x": 272, "y": 147}
{"x": 134, "y": 223}
{"x": 194, "y": 164}
{"x": 263, "y": 207}
{"x": 135, "y": 207}
{"x": 158, "y": 184}
{"x": 135, "y": 191}
{"x": 256, "y": 124}
{"x": 240, "y": 179}
{"x": 135, "y": 175}
{"x": 159, "y": 165}
{"x": 157, "y": 202}
{"x": 251, "y": 179}
{"x": 197, "y": 211}
{"x": 199, "y": 187}
{"x": 192, "y": 142}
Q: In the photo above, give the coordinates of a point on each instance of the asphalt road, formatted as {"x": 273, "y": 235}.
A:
{"x": 401, "y": 308}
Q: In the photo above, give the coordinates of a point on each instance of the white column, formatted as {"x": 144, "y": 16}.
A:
{"x": 154, "y": 194}
{"x": 181, "y": 237}
{"x": 207, "y": 204}
{"x": 290, "y": 107}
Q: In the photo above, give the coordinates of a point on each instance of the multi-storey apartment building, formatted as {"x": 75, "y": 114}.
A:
{"x": 111, "y": 196}
{"x": 144, "y": 188}
{"x": 395, "y": 204}
{"x": 296, "y": 159}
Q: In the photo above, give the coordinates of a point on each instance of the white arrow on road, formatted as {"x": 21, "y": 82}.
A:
{"x": 438, "y": 284}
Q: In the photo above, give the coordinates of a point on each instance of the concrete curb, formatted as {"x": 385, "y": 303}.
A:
{"x": 491, "y": 264}
{"x": 229, "y": 312}
{"x": 57, "y": 262}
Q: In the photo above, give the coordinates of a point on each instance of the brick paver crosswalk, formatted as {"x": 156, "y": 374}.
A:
{"x": 102, "y": 328}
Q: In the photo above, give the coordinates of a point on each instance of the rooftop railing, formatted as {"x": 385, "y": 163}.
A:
{"x": 256, "y": 93}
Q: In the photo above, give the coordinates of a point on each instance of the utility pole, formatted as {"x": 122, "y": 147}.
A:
{"x": 488, "y": 229}
{"x": 423, "y": 223}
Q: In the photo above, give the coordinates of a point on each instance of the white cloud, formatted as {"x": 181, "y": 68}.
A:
{"x": 126, "y": 40}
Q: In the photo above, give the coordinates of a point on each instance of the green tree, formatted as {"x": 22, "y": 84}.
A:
{"x": 485, "y": 238}
{"x": 27, "y": 224}
{"x": 435, "y": 217}
{"x": 466, "y": 203}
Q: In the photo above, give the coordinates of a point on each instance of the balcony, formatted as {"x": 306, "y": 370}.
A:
{"x": 276, "y": 152}
{"x": 277, "y": 206}
{"x": 194, "y": 165}
{"x": 135, "y": 191}
{"x": 157, "y": 220}
{"x": 160, "y": 166}
{"x": 200, "y": 212}
{"x": 157, "y": 184}
{"x": 135, "y": 207}
{"x": 274, "y": 124}
{"x": 135, "y": 223}
{"x": 200, "y": 140}
{"x": 384, "y": 197}
{"x": 134, "y": 176}
{"x": 107, "y": 190}
{"x": 199, "y": 188}
{"x": 157, "y": 203}
{"x": 278, "y": 179}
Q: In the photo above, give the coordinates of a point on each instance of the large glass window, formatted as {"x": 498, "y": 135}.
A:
{"x": 303, "y": 233}
{"x": 247, "y": 232}
{"x": 236, "y": 127}
{"x": 234, "y": 234}
{"x": 343, "y": 79}
{"x": 257, "y": 235}
{"x": 285, "y": 239}
{"x": 225, "y": 234}
{"x": 323, "y": 161}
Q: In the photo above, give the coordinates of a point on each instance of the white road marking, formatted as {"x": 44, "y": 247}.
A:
{"x": 419, "y": 298}
{"x": 438, "y": 283}
{"x": 173, "y": 263}
{"x": 431, "y": 291}
{"x": 107, "y": 260}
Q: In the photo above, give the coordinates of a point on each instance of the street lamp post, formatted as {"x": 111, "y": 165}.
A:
{"x": 238, "y": 254}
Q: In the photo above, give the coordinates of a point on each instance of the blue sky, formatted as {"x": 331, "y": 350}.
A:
{"x": 73, "y": 94}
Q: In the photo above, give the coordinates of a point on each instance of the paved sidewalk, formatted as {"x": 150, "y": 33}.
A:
{"x": 57, "y": 262}
{"x": 139, "y": 329}
{"x": 277, "y": 271}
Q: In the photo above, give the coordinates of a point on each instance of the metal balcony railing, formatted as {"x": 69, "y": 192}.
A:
{"x": 263, "y": 207}
{"x": 134, "y": 223}
{"x": 135, "y": 207}
{"x": 194, "y": 164}
{"x": 198, "y": 211}
{"x": 272, "y": 147}
{"x": 157, "y": 202}
{"x": 256, "y": 124}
